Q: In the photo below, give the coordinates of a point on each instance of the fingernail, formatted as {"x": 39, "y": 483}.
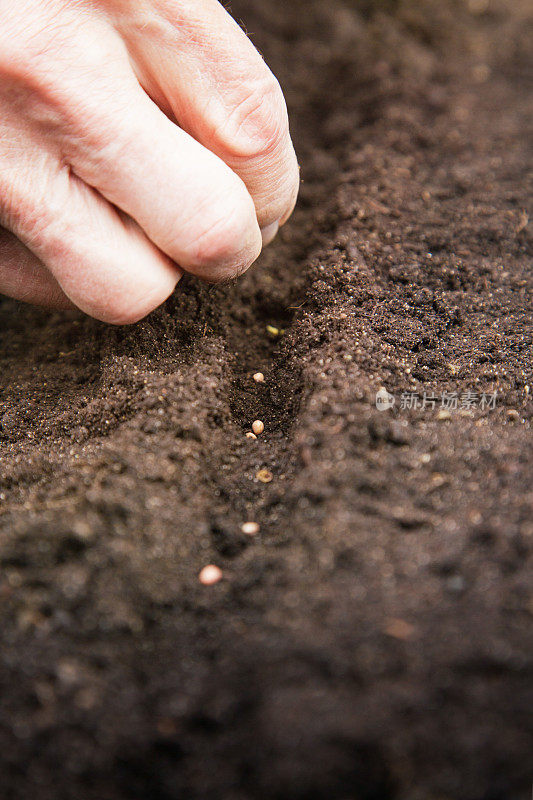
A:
{"x": 269, "y": 233}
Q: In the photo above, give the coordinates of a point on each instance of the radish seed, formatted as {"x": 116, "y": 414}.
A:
{"x": 250, "y": 528}
{"x": 210, "y": 575}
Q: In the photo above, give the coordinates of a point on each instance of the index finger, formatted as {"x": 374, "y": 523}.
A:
{"x": 196, "y": 62}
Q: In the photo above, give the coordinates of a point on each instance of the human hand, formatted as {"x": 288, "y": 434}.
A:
{"x": 137, "y": 140}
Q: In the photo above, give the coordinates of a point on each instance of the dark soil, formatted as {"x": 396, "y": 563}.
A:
{"x": 374, "y": 641}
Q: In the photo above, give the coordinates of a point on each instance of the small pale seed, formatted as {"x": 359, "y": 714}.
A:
{"x": 259, "y": 377}
{"x": 258, "y": 427}
{"x": 250, "y": 528}
{"x": 210, "y": 575}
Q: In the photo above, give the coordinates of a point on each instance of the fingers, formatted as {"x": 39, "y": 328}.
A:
{"x": 196, "y": 61}
{"x": 101, "y": 261}
{"x": 186, "y": 199}
{"x": 113, "y": 193}
{"x": 24, "y": 277}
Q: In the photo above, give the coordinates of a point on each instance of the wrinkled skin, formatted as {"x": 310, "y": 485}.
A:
{"x": 137, "y": 141}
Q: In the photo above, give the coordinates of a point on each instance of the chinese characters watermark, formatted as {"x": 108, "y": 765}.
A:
{"x": 445, "y": 401}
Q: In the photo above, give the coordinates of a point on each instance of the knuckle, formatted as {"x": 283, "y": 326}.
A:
{"x": 37, "y": 216}
{"x": 64, "y": 74}
{"x": 119, "y": 311}
{"x": 258, "y": 123}
{"x": 226, "y": 244}
{"x": 126, "y": 307}
{"x": 32, "y": 61}
{"x": 120, "y": 314}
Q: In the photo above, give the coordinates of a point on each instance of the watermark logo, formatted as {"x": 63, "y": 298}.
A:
{"x": 446, "y": 401}
{"x": 384, "y": 400}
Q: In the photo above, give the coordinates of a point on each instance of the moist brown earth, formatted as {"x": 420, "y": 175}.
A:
{"x": 374, "y": 640}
